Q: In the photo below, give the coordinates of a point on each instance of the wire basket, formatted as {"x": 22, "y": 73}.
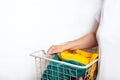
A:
{"x": 60, "y": 70}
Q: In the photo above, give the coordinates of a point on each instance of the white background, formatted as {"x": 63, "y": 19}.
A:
{"x": 30, "y": 25}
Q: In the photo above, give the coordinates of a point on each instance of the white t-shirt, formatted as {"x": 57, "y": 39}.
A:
{"x": 108, "y": 36}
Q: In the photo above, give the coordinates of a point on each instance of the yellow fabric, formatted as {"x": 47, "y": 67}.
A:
{"x": 84, "y": 53}
{"x": 79, "y": 56}
{"x": 92, "y": 72}
{"x": 94, "y": 56}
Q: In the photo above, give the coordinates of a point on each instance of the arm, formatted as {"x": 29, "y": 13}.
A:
{"x": 84, "y": 42}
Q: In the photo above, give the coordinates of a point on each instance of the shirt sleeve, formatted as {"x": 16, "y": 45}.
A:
{"x": 98, "y": 15}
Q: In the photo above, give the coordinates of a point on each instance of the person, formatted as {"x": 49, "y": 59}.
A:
{"x": 106, "y": 36}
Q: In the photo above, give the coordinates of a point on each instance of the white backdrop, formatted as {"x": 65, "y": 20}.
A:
{"x": 30, "y": 25}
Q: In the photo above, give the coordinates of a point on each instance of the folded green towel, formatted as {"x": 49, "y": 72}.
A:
{"x": 57, "y": 71}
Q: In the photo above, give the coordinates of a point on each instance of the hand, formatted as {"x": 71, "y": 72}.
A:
{"x": 55, "y": 49}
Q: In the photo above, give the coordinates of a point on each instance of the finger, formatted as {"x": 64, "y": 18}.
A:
{"x": 50, "y": 50}
{"x": 54, "y": 51}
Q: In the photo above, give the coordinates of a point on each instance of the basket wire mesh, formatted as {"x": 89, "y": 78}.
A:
{"x": 57, "y": 71}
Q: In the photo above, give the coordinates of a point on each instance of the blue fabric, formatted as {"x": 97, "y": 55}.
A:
{"x": 57, "y": 71}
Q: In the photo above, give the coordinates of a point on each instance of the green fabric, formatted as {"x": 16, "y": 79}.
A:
{"x": 56, "y": 71}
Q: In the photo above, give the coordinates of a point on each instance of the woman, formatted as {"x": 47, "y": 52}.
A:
{"x": 106, "y": 36}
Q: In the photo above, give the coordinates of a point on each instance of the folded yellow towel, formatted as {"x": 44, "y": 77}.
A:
{"x": 79, "y": 56}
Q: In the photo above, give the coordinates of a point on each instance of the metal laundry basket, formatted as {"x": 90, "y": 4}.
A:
{"x": 42, "y": 62}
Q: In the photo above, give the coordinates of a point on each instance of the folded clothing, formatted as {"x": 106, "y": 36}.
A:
{"x": 79, "y": 56}
{"x": 57, "y": 71}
